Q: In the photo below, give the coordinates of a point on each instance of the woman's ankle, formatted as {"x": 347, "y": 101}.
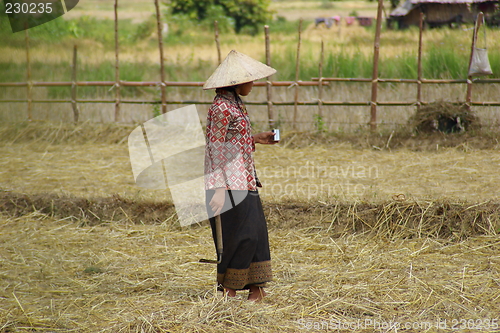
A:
{"x": 256, "y": 293}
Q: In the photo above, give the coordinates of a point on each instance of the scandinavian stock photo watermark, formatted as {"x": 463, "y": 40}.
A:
{"x": 313, "y": 180}
{"x": 168, "y": 152}
{"x": 371, "y": 324}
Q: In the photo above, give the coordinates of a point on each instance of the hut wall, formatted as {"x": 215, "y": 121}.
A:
{"x": 485, "y": 7}
{"x": 438, "y": 12}
{"x": 412, "y": 18}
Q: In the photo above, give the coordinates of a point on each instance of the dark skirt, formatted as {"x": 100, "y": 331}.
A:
{"x": 246, "y": 259}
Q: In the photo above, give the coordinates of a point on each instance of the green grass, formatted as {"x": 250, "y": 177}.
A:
{"x": 441, "y": 61}
{"x": 61, "y": 29}
{"x": 437, "y": 63}
{"x": 105, "y": 71}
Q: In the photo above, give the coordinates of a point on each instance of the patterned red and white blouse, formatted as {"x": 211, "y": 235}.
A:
{"x": 229, "y": 145}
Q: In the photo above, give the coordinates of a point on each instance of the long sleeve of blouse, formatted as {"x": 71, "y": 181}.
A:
{"x": 229, "y": 145}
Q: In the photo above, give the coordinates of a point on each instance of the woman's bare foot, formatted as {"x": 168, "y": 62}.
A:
{"x": 256, "y": 293}
{"x": 230, "y": 292}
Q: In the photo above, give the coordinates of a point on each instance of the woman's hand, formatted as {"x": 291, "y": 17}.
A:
{"x": 217, "y": 201}
{"x": 266, "y": 138}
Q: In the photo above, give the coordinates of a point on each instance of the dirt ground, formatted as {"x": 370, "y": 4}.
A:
{"x": 303, "y": 167}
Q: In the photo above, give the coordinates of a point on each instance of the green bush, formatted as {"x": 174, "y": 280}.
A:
{"x": 281, "y": 25}
{"x": 145, "y": 29}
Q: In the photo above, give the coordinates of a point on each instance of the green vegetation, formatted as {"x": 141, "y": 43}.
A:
{"x": 438, "y": 62}
{"x": 84, "y": 27}
{"x": 242, "y": 15}
{"x": 319, "y": 123}
{"x": 348, "y": 53}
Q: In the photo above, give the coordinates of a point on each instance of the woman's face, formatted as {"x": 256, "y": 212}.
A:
{"x": 245, "y": 88}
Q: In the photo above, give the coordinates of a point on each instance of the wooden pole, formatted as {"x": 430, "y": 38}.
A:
{"x": 29, "y": 85}
{"x": 477, "y": 25}
{"x": 320, "y": 81}
{"x": 297, "y": 72}
{"x": 216, "y": 29}
{"x": 270, "y": 111}
{"x": 218, "y": 234}
{"x": 376, "y": 49}
{"x": 162, "y": 65}
{"x": 76, "y": 112}
{"x": 419, "y": 61}
{"x": 117, "y": 66}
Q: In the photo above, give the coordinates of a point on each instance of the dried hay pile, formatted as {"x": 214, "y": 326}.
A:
{"x": 88, "y": 211}
{"x": 83, "y": 250}
{"x": 390, "y": 220}
{"x": 58, "y": 276}
{"x": 398, "y": 139}
{"x": 64, "y": 133}
{"x": 110, "y": 133}
{"x": 444, "y": 117}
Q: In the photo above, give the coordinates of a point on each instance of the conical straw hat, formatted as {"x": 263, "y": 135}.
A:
{"x": 237, "y": 68}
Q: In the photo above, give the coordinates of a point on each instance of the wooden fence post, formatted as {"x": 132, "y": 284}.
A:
{"x": 217, "y": 43}
{"x": 117, "y": 66}
{"x": 376, "y": 49}
{"x": 29, "y": 85}
{"x": 320, "y": 81}
{"x": 477, "y": 25}
{"x": 297, "y": 72}
{"x": 419, "y": 62}
{"x": 76, "y": 112}
{"x": 162, "y": 65}
{"x": 270, "y": 113}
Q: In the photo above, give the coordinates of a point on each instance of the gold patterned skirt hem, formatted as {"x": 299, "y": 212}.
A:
{"x": 258, "y": 274}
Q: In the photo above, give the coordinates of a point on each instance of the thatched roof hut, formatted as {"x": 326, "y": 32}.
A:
{"x": 440, "y": 12}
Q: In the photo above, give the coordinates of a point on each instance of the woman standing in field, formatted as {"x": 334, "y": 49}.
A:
{"x": 231, "y": 181}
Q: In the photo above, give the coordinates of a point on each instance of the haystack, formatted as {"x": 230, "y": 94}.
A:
{"x": 444, "y": 117}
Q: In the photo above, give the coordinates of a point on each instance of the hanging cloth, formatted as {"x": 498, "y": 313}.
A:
{"x": 480, "y": 64}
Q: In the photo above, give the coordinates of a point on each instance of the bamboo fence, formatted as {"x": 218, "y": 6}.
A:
{"x": 315, "y": 82}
